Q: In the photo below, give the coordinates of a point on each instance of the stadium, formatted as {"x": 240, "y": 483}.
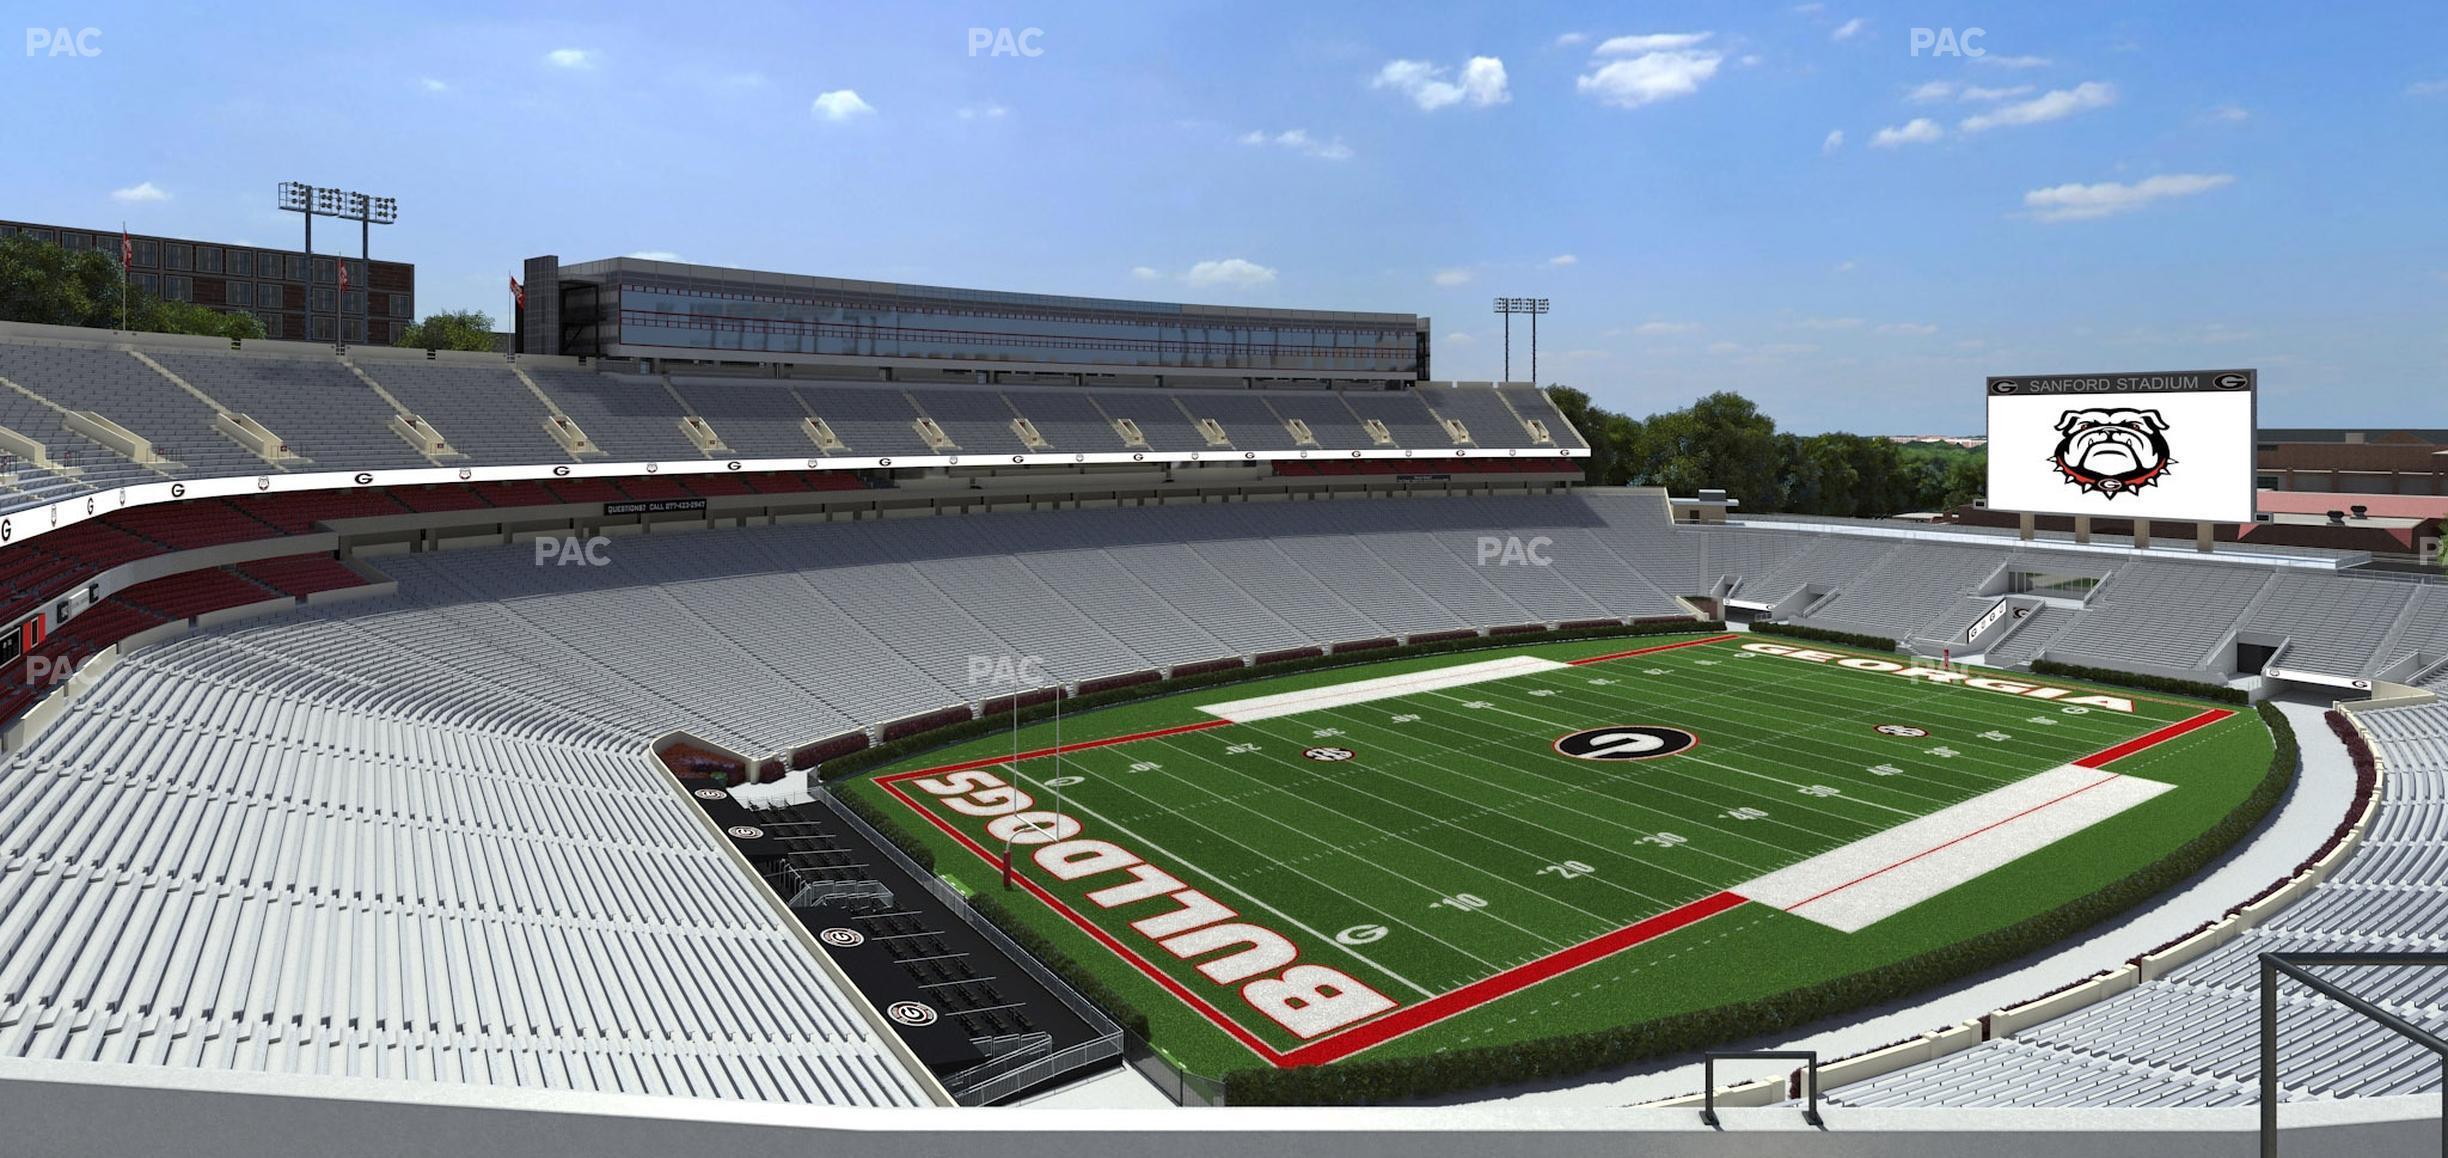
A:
{"x": 743, "y": 707}
{"x": 1279, "y": 739}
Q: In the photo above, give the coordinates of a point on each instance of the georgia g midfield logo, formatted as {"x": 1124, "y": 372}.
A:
{"x": 1625, "y": 742}
{"x": 2112, "y": 452}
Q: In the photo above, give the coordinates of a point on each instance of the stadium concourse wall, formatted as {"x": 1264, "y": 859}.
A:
{"x": 68, "y": 1107}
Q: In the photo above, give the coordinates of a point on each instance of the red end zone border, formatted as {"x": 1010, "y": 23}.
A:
{"x": 1407, "y": 1019}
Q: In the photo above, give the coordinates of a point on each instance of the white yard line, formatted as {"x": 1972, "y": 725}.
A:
{"x": 1073, "y": 805}
{"x": 1381, "y": 688}
{"x": 1881, "y": 875}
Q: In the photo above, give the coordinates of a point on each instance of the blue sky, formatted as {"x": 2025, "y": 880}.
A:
{"x": 1790, "y": 201}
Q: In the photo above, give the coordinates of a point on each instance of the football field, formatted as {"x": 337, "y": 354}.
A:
{"x": 1510, "y": 842}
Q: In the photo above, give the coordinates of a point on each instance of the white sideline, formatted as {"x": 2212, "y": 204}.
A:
{"x": 1883, "y": 874}
{"x": 1381, "y": 688}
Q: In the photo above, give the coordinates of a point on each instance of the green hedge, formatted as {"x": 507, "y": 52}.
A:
{"x": 884, "y": 822}
{"x": 1080, "y": 978}
{"x": 1822, "y": 635}
{"x": 1569, "y": 1055}
{"x": 893, "y": 751}
{"x": 2150, "y": 683}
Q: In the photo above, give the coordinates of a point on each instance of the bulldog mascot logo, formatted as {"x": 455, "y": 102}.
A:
{"x": 2112, "y": 452}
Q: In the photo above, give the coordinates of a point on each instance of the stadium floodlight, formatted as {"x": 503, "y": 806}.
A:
{"x": 312, "y": 201}
{"x": 1509, "y": 307}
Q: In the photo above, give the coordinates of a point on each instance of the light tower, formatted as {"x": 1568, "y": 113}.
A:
{"x": 312, "y": 201}
{"x": 1509, "y": 307}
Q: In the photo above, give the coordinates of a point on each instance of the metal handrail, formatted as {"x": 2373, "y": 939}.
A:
{"x": 2294, "y": 965}
{"x": 1708, "y": 1079}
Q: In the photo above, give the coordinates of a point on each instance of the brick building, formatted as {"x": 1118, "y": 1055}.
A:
{"x": 293, "y": 297}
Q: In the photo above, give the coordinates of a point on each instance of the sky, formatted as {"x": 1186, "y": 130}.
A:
{"x": 1850, "y": 212}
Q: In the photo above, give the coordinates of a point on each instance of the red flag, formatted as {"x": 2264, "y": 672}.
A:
{"x": 518, "y": 293}
{"x": 127, "y": 249}
{"x": 342, "y": 266}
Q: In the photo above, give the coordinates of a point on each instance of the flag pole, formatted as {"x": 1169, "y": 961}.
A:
{"x": 1015, "y": 766}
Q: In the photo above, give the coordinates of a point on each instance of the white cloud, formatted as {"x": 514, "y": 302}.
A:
{"x": 1563, "y": 259}
{"x": 2083, "y": 202}
{"x": 1917, "y": 131}
{"x": 143, "y": 194}
{"x": 2423, "y": 88}
{"x": 1482, "y": 83}
{"x": 841, "y": 104}
{"x": 1231, "y": 271}
{"x": 1458, "y": 338}
{"x": 429, "y": 84}
{"x": 1301, "y": 142}
{"x": 570, "y": 58}
{"x": 1655, "y": 66}
{"x": 2231, "y": 114}
{"x": 1144, "y": 273}
{"x": 1993, "y": 60}
{"x": 1829, "y": 323}
{"x": 1570, "y": 39}
{"x": 2053, "y": 105}
{"x": 1936, "y": 91}
{"x": 990, "y": 111}
{"x": 1908, "y": 329}
{"x": 1725, "y": 347}
{"x": 1847, "y": 30}
{"x": 1832, "y": 142}
{"x": 655, "y": 255}
{"x": 1450, "y": 278}
{"x": 1645, "y": 43}
{"x": 1845, "y": 266}
{"x": 1660, "y": 329}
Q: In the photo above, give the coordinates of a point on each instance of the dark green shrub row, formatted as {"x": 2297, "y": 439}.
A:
{"x": 1822, "y": 635}
{"x": 1567, "y": 1055}
{"x": 886, "y": 823}
{"x": 1080, "y": 978}
{"x": 2149, "y": 683}
{"x": 967, "y": 728}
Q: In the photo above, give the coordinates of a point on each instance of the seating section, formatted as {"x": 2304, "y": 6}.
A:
{"x": 484, "y": 412}
{"x": 335, "y": 412}
{"x": 2192, "y": 1037}
{"x": 1829, "y": 562}
{"x": 118, "y": 386}
{"x": 1905, "y": 591}
{"x": 1490, "y": 418}
{"x": 321, "y": 410}
{"x": 331, "y": 848}
{"x": 2160, "y": 615}
{"x": 2334, "y": 626}
{"x": 1408, "y": 419}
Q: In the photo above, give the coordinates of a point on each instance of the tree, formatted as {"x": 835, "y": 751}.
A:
{"x": 1721, "y": 441}
{"x": 452, "y": 330}
{"x": 43, "y": 283}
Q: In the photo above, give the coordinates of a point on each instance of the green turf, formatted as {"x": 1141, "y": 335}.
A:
{"x": 1461, "y": 833}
